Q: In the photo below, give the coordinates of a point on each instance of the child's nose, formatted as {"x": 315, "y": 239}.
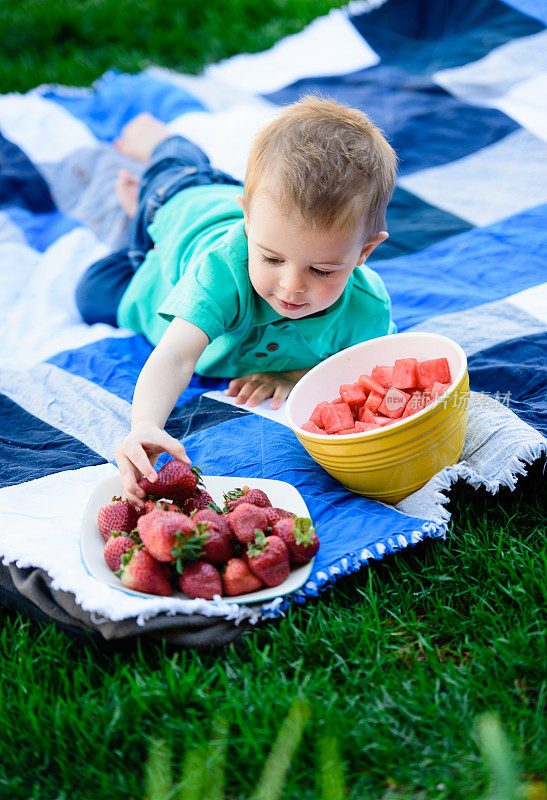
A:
{"x": 291, "y": 280}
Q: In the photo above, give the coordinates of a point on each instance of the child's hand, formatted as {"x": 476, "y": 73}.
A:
{"x": 253, "y": 389}
{"x": 137, "y": 455}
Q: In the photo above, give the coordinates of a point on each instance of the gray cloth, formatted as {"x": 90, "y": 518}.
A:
{"x": 499, "y": 446}
{"x": 29, "y": 590}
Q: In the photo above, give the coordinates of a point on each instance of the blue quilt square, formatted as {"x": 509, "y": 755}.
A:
{"x": 426, "y": 125}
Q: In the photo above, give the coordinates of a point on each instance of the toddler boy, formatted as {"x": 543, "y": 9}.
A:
{"x": 261, "y": 284}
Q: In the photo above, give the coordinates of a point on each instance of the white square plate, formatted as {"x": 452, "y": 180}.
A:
{"x": 281, "y": 495}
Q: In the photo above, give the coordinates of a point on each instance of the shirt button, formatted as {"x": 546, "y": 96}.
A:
{"x": 272, "y": 346}
{"x": 261, "y": 355}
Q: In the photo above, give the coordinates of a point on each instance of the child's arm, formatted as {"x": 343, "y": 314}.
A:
{"x": 253, "y": 389}
{"x": 164, "y": 377}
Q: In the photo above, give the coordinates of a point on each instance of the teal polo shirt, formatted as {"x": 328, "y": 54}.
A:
{"x": 198, "y": 270}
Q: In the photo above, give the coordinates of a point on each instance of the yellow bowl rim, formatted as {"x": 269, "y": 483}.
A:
{"x": 386, "y": 429}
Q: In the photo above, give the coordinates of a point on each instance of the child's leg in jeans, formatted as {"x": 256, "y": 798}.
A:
{"x": 175, "y": 163}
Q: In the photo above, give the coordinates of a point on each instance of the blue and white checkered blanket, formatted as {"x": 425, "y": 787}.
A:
{"x": 459, "y": 88}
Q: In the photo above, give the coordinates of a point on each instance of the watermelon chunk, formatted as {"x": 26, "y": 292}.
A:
{"x": 381, "y": 420}
{"x": 366, "y": 415}
{"x": 435, "y": 369}
{"x": 371, "y": 385}
{"x": 383, "y": 375}
{"x": 316, "y": 414}
{"x": 336, "y": 417}
{"x": 438, "y": 389}
{"x": 404, "y": 373}
{"x": 365, "y": 426}
{"x": 330, "y": 419}
{"x": 394, "y": 403}
{"x": 418, "y": 401}
{"x": 312, "y": 428}
{"x": 374, "y": 401}
{"x": 352, "y": 393}
{"x": 345, "y": 416}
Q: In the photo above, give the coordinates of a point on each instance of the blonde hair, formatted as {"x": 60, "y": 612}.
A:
{"x": 331, "y": 164}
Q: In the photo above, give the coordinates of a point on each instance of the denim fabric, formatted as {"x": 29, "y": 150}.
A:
{"x": 176, "y": 164}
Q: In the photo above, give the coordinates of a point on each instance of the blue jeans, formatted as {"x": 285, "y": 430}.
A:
{"x": 176, "y": 164}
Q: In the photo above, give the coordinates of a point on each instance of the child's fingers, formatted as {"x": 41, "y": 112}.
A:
{"x": 131, "y": 491}
{"x": 136, "y": 454}
{"x": 174, "y": 448}
{"x": 245, "y": 392}
{"x": 280, "y": 395}
{"x": 235, "y": 386}
{"x": 257, "y": 394}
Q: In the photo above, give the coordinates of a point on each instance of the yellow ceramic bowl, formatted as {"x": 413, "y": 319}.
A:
{"x": 392, "y": 462}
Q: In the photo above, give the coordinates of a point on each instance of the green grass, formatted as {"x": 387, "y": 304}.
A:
{"x": 74, "y": 41}
{"x": 396, "y": 662}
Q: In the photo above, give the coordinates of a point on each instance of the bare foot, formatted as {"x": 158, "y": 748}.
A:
{"x": 140, "y": 136}
{"x": 127, "y": 190}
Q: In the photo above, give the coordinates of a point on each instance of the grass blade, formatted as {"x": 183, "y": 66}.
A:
{"x": 158, "y": 771}
{"x": 331, "y": 774}
{"x": 499, "y": 759}
{"x": 276, "y": 767}
{"x": 193, "y": 775}
{"x": 216, "y": 761}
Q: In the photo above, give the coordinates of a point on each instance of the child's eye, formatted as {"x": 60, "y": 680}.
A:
{"x": 271, "y": 260}
{"x": 323, "y": 273}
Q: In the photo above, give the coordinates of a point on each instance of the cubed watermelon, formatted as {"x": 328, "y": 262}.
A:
{"x": 316, "y": 415}
{"x": 435, "y": 369}
{"x": 345, "y": 416}
{"x": 364, "y": 426}
{"x": 404, "y": 373}
{"x": 330, "y": 419}
{"x": 418, "y": 401}
{"x": 381, "y": 420}
{"x": 370, "y": 385}
{"x": 366, "y": 415}
{"x": 438, "y": 389}
{"x": 374, "y": 401}
{"x": 394, "y": 403}
{"x": 312, "y": 428}
{"x": 383, "y": 375}
{"x": 352, "y": 393}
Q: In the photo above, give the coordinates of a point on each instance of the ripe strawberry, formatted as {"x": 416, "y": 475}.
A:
{"x": 245, "y": 495}
{"x": 238, "y": 578}
{"x": 200, "y": 579}
{"x": 116, "y": 546}
{"x": 119, "y": 515}
{"x": 299, "y": 536}
{"x": 200, "y": 499}
{"x": 161, "y": 531}
{"x": 176, "y": 481}
{"x": 164, "y": 505}
{"x": 245, "y": 519}
{"x": 275, "y": 514}
{"x": 268, "y": 558}
{"x": 142, "y": 573}
{"x": 220, "y": 521}
{"x": 217, "y": 546}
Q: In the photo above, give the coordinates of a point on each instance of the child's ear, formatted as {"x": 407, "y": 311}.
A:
{"x": 240, "y": 200}
{"x": 371, "y": 244}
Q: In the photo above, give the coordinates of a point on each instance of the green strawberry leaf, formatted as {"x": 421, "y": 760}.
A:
{"x": 260, "y": 545}
{"x": 303, "y": 530}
